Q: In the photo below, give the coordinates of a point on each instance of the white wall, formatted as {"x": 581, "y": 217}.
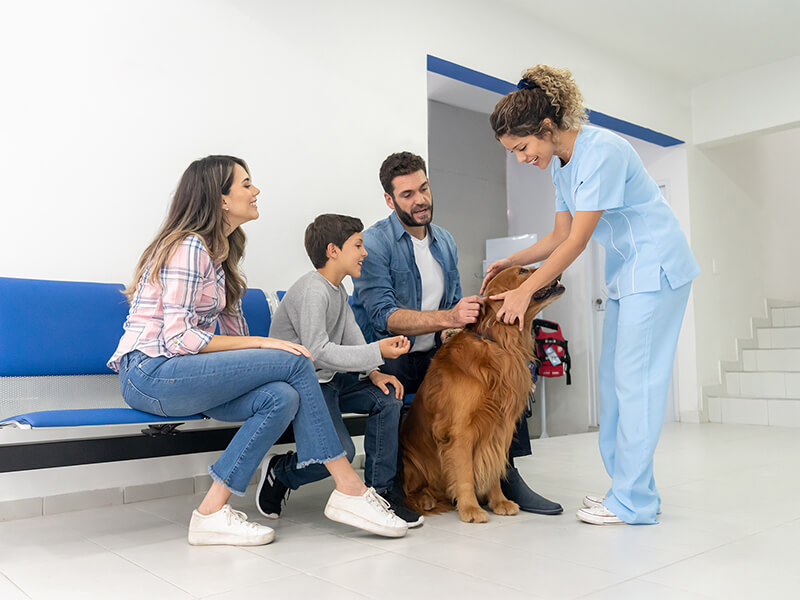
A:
{"x": 754, "y": 101}
{"x": 745, "y": 210}
{"x": 466, "y": 168}
{"x": 776, "y": 186}
{"x": 105, "y": 104}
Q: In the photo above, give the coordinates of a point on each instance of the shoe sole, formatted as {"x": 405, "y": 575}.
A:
{"x": 593, "y": 520}
{"x": 417, "y": 523}
{"x": 264, "y": 471}
{"x": 589, "y": 503}
{"x": 348, "y": 518}
{"x": 216, "y": 539}
{"x": 539, "y": 511}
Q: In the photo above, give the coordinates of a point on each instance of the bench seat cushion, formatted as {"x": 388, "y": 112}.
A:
{"x": 93, "y": 416}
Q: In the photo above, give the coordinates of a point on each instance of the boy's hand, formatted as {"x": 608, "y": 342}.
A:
{"x": 392, "y": 347}
{"x": 382, "y": 380}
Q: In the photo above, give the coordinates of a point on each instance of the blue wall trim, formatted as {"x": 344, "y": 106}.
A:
{"x": 502, "y": 87}
{"x": 476, "y": 78}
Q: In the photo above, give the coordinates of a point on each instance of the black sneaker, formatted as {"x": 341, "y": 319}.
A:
{"x": 271, "y": 492}
{"x": 398, "y": 506}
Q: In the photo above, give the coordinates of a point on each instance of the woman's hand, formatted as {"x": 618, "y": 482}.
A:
{"x": 493, "y": 270}
{"x": 276, "y": 344}
{"x": 515, "y": 303}
{"x": 382, "y": 380}
{"x": 392, "y": 347}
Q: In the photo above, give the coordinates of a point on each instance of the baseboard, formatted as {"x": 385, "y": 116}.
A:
{"x": 693, "y": 416}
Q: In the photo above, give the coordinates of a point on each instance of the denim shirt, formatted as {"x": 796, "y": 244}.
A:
{"x": 390, "y": 279}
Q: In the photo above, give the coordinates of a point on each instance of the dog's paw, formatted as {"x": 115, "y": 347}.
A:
{"x": 473, "y": 514}
{"x": 505, "y": 507}
{"x": 427, "y": 502}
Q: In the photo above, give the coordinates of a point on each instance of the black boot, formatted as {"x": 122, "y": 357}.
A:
{"x": 515, "y": 488}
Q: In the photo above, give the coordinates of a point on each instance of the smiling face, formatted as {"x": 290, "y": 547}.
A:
{"x": 239, "y": 203}
{"x": 412, "y": 200}
{"x": 531, "y": 149}
{"x": 350, "y": 256}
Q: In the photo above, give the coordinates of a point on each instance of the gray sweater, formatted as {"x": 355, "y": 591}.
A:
{"x": 317, "y": 315}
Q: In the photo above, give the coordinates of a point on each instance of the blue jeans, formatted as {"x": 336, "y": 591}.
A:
{"x": 345, "y": 393}
{"x": 267, "y": 389}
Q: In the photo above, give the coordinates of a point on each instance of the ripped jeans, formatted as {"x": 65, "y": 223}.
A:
{"x": 266, "y": 389}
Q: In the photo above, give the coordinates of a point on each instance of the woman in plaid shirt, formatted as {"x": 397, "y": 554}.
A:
{"x": 171, "y": 363}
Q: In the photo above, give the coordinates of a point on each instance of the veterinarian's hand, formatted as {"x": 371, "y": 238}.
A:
{"x": 515, "y": 303}
{"x": 382, "y": 380}
{"x": 466, "y": 311}
{"x": 392, "y": 347}
{"x": 493, "y": 270}
{"x": 276, "y": 344}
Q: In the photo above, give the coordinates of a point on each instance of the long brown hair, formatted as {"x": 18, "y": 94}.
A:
{"x": 196, "y": 208}
{"x": 545, "y": 93}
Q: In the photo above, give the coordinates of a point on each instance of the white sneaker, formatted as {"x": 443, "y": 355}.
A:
{"x": 368, "y": 511}
{"x": 598, "y": 515}
{"x": 590, "y": 501}
{"x": 229, "y": 527}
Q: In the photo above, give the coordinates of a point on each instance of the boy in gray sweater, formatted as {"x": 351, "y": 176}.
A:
{"x": 315, "y": 313}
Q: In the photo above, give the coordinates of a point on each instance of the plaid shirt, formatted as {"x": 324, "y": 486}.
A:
{"x": 180, "y": 315}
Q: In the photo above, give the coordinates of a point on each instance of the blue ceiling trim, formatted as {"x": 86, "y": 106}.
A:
{"x": 470, "y": 76}
{"x": 502, "y": 87}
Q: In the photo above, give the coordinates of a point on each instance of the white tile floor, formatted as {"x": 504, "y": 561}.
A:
{"x": 730, "y": 529}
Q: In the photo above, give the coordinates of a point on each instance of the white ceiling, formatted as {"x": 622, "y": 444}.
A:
{"x": 692, "y": 40}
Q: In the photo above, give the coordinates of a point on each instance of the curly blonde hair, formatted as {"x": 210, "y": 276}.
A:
{"x": 545, "y": 93}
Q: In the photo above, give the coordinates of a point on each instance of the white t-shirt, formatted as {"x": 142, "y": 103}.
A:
{"x": 432, "y": 287}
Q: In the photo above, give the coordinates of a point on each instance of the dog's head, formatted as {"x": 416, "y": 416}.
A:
{"x": 509, "y": 279}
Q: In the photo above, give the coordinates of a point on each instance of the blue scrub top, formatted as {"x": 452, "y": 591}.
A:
{"x": 638, "y": 229}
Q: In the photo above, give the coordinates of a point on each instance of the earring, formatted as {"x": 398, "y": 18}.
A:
{"x": 225, "y": 208}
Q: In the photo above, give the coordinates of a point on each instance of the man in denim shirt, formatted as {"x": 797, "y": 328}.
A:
{"x": 410, "y": 286}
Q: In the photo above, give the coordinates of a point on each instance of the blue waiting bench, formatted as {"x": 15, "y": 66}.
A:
{"x": 67, "y": 328}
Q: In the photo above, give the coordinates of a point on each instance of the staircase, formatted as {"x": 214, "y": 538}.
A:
{"x": 762, "y": 387}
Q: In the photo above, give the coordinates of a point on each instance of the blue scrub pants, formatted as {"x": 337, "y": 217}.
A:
{"x": 640, "y": 334}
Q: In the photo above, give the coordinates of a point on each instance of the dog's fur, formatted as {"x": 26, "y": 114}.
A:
{"x": 456, "y": 436}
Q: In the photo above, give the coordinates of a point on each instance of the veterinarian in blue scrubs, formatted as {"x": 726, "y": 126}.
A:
{"x": 603, "y": 192}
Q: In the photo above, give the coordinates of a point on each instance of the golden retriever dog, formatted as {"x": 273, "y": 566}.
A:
{"x": 456, "y": 435}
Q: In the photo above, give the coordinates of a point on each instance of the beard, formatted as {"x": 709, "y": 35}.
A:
{"x": 409, "y": 220}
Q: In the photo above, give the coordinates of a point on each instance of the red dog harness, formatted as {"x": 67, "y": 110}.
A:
{"x": 551, "y": 350}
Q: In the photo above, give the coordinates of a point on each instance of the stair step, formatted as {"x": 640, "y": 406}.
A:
{"x": 754, "y": 411}
{"x": 778, "y": 337}
{"x": 771, "y": 359}
{"x": 786, "y": 316}
{"x": 763, "y": 384}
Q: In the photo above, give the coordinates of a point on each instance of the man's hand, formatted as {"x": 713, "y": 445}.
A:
{"x": 392, "y": 347}
{"x": 493, "y": 270}
{"x": 465, "y": 312}
{"x": 382, "y": 380}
